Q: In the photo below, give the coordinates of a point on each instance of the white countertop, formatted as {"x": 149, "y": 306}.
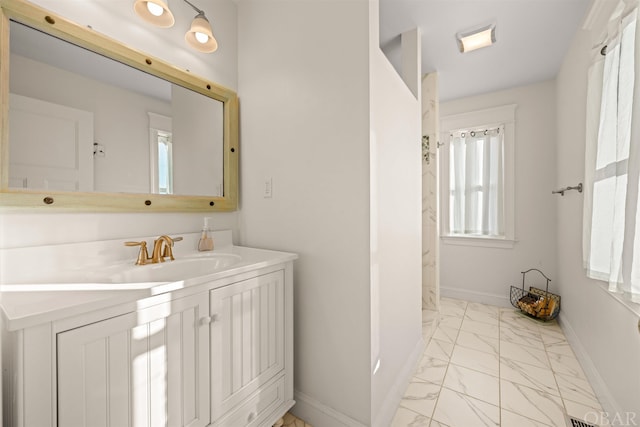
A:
{"x": 29, "y": 304}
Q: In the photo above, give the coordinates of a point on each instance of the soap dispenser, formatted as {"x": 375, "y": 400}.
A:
{"x": 206, "y": 240}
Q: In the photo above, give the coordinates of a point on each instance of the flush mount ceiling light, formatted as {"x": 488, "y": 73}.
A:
{"x": 154, "y": 12}
{"x": 199, "y": 37}
{"x": 476, "y": 39}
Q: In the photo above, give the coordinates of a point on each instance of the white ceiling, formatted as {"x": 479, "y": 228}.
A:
{"x": 532, "y": 39}
{"x": 41, "y": 47}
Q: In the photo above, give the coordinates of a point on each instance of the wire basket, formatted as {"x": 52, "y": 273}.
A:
{"x": 536, "y": 303}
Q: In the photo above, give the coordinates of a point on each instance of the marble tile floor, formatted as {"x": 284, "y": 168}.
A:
{"x": 493, "y": 366}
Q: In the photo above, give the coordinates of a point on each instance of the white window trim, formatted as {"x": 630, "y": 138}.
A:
{"x": 504, "y": 115}
{"x": 622, "y": 297}
{"x": 480, "y": 241}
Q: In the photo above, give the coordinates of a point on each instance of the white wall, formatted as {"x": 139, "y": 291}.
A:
{"x": 396, "y": 237}
{"x": 345, "y": 166}
{"x": 116, "y": 19}
{"x": 488, "y": 272}
{"x": 396, "y": 221}
{"x": 305, "y": 124}
{"x": 603, "y": 333}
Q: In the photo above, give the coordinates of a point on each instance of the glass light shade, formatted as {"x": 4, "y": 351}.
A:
{"x": 155, "y": 12}
{"x": 200, "y": 37}
{"x": 484, "y": 37}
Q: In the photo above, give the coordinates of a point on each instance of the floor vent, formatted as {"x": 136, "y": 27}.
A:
{"x": 574, "y": 422}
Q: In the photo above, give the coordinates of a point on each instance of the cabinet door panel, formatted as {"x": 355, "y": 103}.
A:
{"x": 119, "y": 371}
{"x": 247, "y": 339}
{"x": 95, "y": 381}
{"x": 138, "y": 358}
{"x": 147, "y": 368}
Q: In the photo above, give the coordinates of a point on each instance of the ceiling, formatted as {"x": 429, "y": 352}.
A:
{"x": 532, "y": 37}
{"x": 41, "y": 47}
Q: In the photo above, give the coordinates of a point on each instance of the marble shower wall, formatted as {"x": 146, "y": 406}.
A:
{"x": 430, "y": 129}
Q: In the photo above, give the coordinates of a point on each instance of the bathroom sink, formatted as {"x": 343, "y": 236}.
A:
{"x": 128, "y": 276}
{"x": 133, "y": 277}
{"x": 180, "y": 269}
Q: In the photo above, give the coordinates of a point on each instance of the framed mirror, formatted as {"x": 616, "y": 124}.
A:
{"x": 91, "y": 124}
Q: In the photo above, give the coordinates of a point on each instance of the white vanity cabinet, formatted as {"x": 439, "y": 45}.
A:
{"x": 211, "y": 352}
{"x": 146, "y": 368}
{"x": 248, "y": 350}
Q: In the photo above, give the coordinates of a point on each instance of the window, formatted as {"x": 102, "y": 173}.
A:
{"x": 475, "y": 182}
{"x": 477, "y": 177}
{"x": 611, "y": 231}
{"x": 160, "y": 154}
{"x": 165, "y": 162}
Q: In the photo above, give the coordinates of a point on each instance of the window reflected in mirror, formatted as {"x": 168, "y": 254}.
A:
{"x": 165, "y": 163}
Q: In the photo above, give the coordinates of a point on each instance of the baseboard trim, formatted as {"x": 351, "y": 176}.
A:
{"x": 318, "y": 414}
{"x": 599, "y": 386}
{"x": 386, "y": 414}
{"x": 474, "y": 296}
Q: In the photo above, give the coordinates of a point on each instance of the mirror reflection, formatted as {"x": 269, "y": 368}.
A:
{"x": 79, "y": 121}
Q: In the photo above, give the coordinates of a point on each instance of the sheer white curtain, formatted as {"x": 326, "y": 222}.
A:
{"x": 476, "y": 182}
{"x": 612, "y": 164}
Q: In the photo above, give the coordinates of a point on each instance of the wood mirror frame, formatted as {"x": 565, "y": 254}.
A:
{"x": 57, "y": 26}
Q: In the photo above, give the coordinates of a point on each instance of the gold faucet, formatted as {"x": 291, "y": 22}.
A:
{"x": 162, "y": 248}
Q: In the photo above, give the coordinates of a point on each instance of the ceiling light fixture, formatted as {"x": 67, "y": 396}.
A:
{"x": 476, "y": 39}
{"x": 155, "y": 12}
{"x": 200, "y": 35}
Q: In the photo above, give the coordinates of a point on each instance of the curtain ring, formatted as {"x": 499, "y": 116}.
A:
{"x": 462, "y": 135}
{"x": 603, "y": 51}
{"x": 486, "y": 132}
{"x": 472, "y": 133}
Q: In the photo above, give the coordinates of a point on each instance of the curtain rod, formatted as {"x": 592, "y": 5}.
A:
{"x": 473, "y": 133}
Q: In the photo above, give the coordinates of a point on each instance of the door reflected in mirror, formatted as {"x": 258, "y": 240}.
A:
{"x": 82, "y": 122}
